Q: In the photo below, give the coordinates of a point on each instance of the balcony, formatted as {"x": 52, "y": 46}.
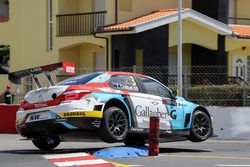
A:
{"x": 78, "y": 24}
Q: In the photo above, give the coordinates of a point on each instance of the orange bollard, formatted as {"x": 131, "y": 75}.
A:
{"x": 154, "y": 135}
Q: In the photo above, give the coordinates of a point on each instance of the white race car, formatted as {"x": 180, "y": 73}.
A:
{"x": 114, "y": 106}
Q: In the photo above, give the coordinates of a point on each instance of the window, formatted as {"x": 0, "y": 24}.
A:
{"x": 123, "y": 82}
{"x": 81, "y": 79}
{"x": 4, "y": 59}
{"x": 4, "y": 11}
{"x": 154, "y": 88}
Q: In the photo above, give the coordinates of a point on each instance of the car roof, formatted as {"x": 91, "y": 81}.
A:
{"x": 125, "y": 73}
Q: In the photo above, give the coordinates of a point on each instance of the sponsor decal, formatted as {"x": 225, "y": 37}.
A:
{"x": 72, "y": 114}
{"x": 36, "y": 69}
{"x": 69, "y": 67}
{"x": 40, "y": 105}
{"x": 33, "y": 117}
{"x": 49, "y": 67}
{"x": 170, "y": 102}
{"x": 173, "y": 114}
{"x": 137, "y": 129}
{"x": 146, "y": 112}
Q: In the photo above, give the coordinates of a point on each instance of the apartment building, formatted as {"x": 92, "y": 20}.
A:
{"x": 100, "y": 34}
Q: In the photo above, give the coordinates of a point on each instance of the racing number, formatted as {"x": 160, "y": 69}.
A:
{"x": 133, "y": 81}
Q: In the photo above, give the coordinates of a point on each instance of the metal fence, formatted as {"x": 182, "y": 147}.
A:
{"x": 206, "y": 85}
{"x": 79, "y": 23}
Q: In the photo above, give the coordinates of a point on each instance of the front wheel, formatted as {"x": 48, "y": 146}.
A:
{"x": 46, "y": 142}
{"x": 201, "y": 127}
{"x": 114, "y": 126}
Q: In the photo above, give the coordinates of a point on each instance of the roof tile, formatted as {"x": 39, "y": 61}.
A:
{"x": 241, "y": 30}
{"x": 139, "y": 20}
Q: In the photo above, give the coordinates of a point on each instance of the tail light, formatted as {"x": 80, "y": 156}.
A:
{"x": 22, "y": 105}
{"x": 66, "y": 96}
{"x": 74, "y": 95}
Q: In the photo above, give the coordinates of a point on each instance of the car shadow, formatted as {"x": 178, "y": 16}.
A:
{"x": 93, "y": 150}
{"x": 182, "y": 150}
{"x": 55, "y": 151}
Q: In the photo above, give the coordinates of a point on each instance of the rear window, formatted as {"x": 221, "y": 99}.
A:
{"x": 79, "y": 80}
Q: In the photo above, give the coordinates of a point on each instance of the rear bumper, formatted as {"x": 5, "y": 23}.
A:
{"x": 58, "y": 126}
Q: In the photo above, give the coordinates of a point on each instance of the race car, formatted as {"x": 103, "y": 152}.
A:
{"x": 114, "y": 106}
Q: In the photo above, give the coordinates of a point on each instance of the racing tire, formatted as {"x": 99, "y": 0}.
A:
{"x": 46, "y": 142}
{"x": 201, "y": 126}
{"x": 135, "y": 140}
{"x": 114, "y": 127}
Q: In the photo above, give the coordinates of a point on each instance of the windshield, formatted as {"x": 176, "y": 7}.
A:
{"x": 79, "y": 80}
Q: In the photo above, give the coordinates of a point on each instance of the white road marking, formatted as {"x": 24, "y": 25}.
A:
{"x": 75, "y": 159}
{"x": 84, "y": 162}
{"x": 68, "y": 155}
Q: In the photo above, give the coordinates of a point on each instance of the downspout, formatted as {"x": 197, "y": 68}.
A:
{"x": 107, "y": 49}
{"x": 116, "y": 11}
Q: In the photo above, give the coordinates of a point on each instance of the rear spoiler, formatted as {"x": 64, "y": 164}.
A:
{"x": 15, "y": 77}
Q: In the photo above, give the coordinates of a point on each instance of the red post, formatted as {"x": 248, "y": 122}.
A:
{"x": 154, "y": 125}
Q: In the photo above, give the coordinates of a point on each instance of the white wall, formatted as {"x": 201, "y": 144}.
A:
{"x": 231, "y": 122}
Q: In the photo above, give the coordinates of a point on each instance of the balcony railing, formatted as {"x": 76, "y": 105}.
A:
{"x": 79, "y": 23}
{"x": 4, "y": 18}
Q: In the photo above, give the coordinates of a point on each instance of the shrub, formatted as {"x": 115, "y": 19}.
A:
{"x": 219, "y": 95}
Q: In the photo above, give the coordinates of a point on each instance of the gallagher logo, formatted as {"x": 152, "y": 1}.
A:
{"x": 146, "y": 112}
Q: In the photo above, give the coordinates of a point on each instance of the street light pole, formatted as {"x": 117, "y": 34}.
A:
{"x": 179, "y": 65}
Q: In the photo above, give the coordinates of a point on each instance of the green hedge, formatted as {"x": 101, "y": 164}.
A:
{"x": 219, "y": 95}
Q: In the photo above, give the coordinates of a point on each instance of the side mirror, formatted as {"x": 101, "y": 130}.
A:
{"x": 174, "y": 93}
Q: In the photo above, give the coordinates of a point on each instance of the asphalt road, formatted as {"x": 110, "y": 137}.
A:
{"x": 216, "y": 153}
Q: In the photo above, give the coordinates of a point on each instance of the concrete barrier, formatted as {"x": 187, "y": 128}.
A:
{"x": 231, "y": 122}
{"x": 8, "y": 118}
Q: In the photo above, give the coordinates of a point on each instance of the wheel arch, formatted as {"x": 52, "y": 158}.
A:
{"x": 122, "y": 105}
{"x": 201, "y": 108}
{"x": 194, "y": 137}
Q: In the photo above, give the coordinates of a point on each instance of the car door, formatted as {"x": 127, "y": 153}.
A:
{"x": 135, "y": 100}
{"x": 162, "y": 104}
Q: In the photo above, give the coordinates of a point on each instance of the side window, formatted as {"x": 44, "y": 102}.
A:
{"x": 154, "y": 88}
{"x": 123, "y": 82}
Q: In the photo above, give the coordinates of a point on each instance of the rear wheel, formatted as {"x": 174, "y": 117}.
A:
{"x": 46, "y": 142}
{"x": 201, "y": 127}
{"x": 114, "y": 126}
